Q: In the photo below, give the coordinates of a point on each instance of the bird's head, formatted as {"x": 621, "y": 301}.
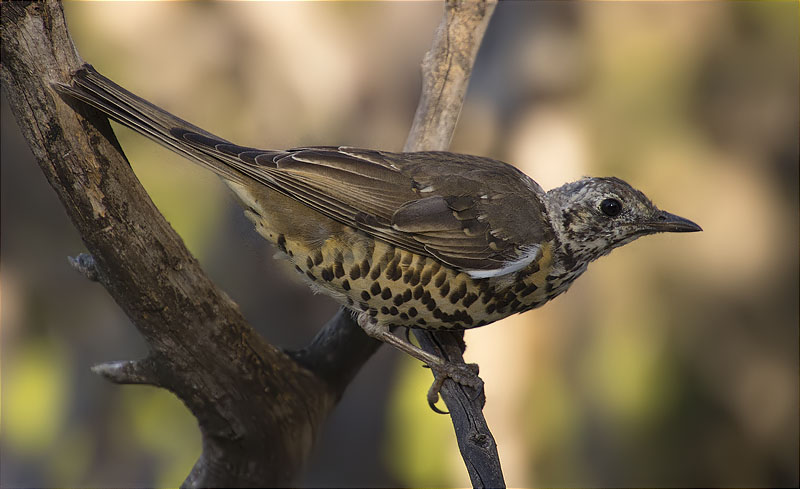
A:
{"x": 595, "y": 215}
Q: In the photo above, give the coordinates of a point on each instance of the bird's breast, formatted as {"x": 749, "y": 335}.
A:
{"x": 401, "y": 288}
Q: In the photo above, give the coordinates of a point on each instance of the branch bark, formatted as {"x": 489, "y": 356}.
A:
{"x": 446, "y": 70}
{"x": 201, "y": 348}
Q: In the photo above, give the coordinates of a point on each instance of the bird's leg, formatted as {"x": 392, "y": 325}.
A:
{"x": 465, "y": 374}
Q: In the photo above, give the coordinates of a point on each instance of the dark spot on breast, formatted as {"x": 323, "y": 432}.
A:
{"x": 421, "y": 322}
{"x": 393, "y": 311}
{"x": 327, "y": 274}
{"x": 501, "y": 303}
{"x": 364, "y": 267}
{"x": 376, "y": 271}
{"x": 309, "y": 262}
{"x": 445, "y": 289}
{"x": 398, "y": 299}
{"x": 414, "y": 278}
{"x": 346, "y": 284}
{"x": 404, "y": 316}
{"x": 469, "y": 299}
{"x": 338, "y": 270}
{"x": 355, "y": 272}
{"x": 318, "y": 257}
{"x": 407, "y": 276}
{"x": 386, "y": 294}
{"x": 457, "y": 294}
{"x": 311, "y": 275}
{"x": 296, "y": 267}
{"x": 490, "y": 308}
{"x": 407, "y": 295}
{"x": 528, "y": 290}
{"x": 440, "y": 278}
{"x": 363, "y": 306}
{"x": 390, "y": 269}
{"x": 373, "y": 312}
{"x": 412, "y": 311}
{"x": 514, "y": 305}
{"x": 384, "y": 310}
{"x": 282, "y": 243}
{"x": 396, "y": 274}
{"x": 365, "y": 295}
{"x": 375, "y": 289}
{"x": 425, "y": 276}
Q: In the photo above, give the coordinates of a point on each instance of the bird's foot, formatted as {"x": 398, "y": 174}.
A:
{"x": 462, "y": 373}
{"x": 465, "y": 374}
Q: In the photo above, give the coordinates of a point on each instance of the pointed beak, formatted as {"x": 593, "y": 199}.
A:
{"x": 665, "y": 222}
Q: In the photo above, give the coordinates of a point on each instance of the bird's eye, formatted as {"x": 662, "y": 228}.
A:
{"x": 611, "y": 207}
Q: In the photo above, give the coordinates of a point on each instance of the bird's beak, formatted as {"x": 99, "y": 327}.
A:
{"x": 665, "y": 222}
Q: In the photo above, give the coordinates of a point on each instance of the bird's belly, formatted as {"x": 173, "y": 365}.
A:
{"x": 400, "y": 288}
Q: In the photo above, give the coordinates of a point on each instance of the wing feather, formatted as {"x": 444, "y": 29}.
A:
{"x": 392, "y": 198}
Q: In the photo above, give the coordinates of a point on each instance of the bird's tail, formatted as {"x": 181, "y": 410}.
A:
{"x": 130, "y": 110}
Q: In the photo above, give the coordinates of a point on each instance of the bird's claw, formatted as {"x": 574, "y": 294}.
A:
{"x": 465, "y": 374}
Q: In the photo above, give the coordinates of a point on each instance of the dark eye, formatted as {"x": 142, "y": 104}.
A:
{"x": 611, "y": 207}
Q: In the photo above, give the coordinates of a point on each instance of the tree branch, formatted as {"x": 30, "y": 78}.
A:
{"x": 446, "y": 71}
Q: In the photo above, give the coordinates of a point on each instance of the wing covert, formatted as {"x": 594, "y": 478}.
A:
{"x": 451, "y": 207}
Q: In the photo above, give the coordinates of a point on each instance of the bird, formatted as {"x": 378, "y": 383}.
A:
{"x": 431, "y": 239}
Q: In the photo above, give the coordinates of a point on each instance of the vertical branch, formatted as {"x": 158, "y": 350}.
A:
{"x": 446, "y": 71}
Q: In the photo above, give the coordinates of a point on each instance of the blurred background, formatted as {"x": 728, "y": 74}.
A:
{"x": 671, "y": 362}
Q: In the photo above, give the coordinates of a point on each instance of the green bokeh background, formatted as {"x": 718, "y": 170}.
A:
{"x": 672, "y": 362}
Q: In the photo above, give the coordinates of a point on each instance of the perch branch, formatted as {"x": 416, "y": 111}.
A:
{"x": 446, "y": 71}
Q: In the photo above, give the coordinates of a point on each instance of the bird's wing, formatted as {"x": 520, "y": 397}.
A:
{"x": 480, "y": 216}
{"x": 459, "y": 209}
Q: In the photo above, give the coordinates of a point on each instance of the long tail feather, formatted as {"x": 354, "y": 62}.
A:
{"x": 132, "y": 111}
